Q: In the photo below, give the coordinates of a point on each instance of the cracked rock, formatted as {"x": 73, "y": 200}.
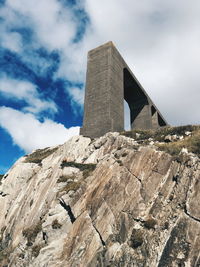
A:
{"x": 120, "y": 206}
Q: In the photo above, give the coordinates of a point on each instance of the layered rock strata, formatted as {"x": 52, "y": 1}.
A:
{"x": 102, "y": 202}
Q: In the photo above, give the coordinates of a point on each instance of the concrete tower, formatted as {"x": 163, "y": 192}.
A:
{"x": 108, "y": 82}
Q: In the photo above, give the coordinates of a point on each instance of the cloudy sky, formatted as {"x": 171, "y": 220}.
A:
{"x": 43, "y": 51}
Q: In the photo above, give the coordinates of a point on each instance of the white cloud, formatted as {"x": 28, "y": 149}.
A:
{"x": 30, "y": 134}
{"x": 158, "y": 39}
{"x": 11, "y": 41}
{"x": 77, "y": 99}
{"x": 53, "y": 23}
{"x": 24, "y": 90}
{"x": 53, "y": 26}
{"x": 77, "y": 95}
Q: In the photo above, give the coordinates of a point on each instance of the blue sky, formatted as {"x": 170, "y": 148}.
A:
{"x": 43, "y": 54}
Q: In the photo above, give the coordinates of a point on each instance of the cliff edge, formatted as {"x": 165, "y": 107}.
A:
{"x": 111, "y": 201}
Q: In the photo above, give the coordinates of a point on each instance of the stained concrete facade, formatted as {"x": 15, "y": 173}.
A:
{"x": 108, "y": 82}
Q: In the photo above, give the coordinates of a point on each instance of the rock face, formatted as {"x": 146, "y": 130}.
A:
{"x": 103, "y": 202}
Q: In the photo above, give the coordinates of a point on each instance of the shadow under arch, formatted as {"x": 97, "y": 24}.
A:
{"x": 137, "y": 101}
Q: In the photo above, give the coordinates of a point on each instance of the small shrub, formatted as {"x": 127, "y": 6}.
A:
{"x": 150, "y": 223}
{"x": 1, "y": 176}
{"x": 180, "y": 130}
{"x": 5, "y": 249}
{"x": 119, "y": 162}
{"x": 117, "y": 156}
{"x": 39, "y": 155}
{"x": 143, "y": 134}
{"x": 159, "y": 134}
{"x": 72, "y": 186}
{"x": 64, "y": 178}
{"x": 56, "y": 225}
{"x": 166, "y": 226}
{"x": 85, "y": 168}
{"x": 87, "y": 173}
{"x": 80, "y": 166}
{"x": 136, "y": 239}
{"x": 181, "y": 158}
{"x": 192, "y": 143}
{"x": 21, "y": 255}
{"x": 36, "y": 250}
{"x": 1, "y": 236}
{"x": 171, "y": 148}
{"x": 124, "y": 154}
{"x": 32, "y": 232}
{"x": 4, "y": 241}
{"x": 4, "y": 257}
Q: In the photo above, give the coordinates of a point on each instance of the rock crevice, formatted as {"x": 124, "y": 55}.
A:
{"x": 102, "y": 202}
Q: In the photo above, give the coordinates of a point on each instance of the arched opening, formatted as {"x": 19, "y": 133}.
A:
{"x": 161, "y": 122}
{"x": 153, "y": 110}
{"x": 127, "y": 117}
{"x": 137, "y": 102}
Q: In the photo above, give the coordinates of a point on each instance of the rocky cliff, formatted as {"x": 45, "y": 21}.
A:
{"x": 111, "y": 201}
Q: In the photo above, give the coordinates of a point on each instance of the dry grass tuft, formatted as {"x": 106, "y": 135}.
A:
{"x": 32, "y": 232}
{"x": 136, "y": 239}
{"x": 64, "y": 178}
{"x": 36, "y": 250}
{"x": 150, "y": 223}
{"x": 56, "y": 225}
{"x": 159, "y": 134}
{"x": 192, "y": 143}
{"x": 72, "y": 186}
{"x": 39, "y": 155}
{"x": 85, "y": 168}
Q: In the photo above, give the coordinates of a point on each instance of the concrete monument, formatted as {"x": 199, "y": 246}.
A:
{"x": 108, "y": 82}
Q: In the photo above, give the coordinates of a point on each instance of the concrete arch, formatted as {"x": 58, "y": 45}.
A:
{"x": 137, "y": 101}
{"x": 108, "y": 82}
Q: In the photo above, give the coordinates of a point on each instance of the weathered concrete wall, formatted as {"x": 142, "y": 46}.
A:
{"x": 109, "y": 81}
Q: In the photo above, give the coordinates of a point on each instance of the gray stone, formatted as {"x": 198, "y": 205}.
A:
{"x": 168, "y": 138}
{"x": 109, "y": 81}
{"x": 188, "y": 133}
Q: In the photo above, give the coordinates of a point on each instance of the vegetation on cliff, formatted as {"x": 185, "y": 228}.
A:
{"x": 112, "y": 201}
{"x": 187, "y": 137}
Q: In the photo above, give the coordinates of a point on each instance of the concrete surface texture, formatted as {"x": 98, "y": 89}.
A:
{"x": 109, "y": 82}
